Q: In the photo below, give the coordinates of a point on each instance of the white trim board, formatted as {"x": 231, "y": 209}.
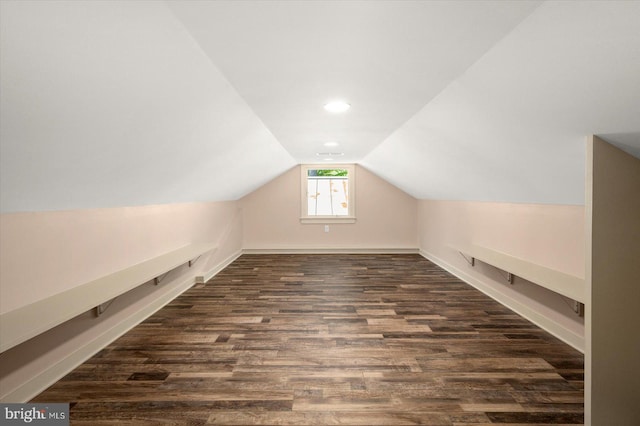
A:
{"x": 331, "y": 250}
{"x": 565, "y": 284}
{"x": 46, "y": 378}
{"x": 219, "y": 267}
{"x": 569, "y": 337}
{"x": 19, "y": 325}
{"x": 55, "y": 372}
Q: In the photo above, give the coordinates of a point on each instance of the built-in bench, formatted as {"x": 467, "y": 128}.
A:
{"x": 567, "y": 285}
{"x": 22, "y": 324}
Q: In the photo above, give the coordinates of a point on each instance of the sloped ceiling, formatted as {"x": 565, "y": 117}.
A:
{"x": 513, "y": 126}
{"x": 108, "y": 104}
{"x": 386, "y": 58}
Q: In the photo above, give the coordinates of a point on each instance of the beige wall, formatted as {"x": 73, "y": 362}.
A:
{"x": 549, "y": 235}
{"x": 45, "y": 253}
{"x": 386, "y": 217}
{"x": 613, "y": 286}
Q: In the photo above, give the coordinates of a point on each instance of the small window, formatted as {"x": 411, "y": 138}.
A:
{"x": 328, "y": 194}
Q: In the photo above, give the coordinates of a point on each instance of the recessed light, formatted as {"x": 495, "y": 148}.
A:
{"x": 329, "y": 154}
{"x": 337, "y": 106}
{"x": 328, "y": 159}
{"x": 331, "y": 144}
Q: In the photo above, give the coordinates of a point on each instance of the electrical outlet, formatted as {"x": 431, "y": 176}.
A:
{"x": 326, "y": 228}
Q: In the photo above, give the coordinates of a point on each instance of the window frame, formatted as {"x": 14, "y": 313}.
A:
{"x": 351, "y": 205}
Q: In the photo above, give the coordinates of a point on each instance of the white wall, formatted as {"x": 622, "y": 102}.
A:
{"x": 44, "y": 253}
{"x": 613, "y": 286}
{"x": 386, "y": 217}
{"x": 59, "y": 250}
{"x": 549, "y": 235}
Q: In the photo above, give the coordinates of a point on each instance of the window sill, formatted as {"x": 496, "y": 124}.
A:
{"x": 328, "y": 219}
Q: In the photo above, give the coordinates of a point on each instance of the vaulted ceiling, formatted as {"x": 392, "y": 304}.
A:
{"x": 108, "y": 104}
{"x": 387, "y": 59}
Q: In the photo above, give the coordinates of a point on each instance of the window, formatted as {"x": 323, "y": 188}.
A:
{"x": 328, "y": 194}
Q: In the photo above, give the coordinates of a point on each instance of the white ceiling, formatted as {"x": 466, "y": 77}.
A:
{"x": 513, "y": 127}
{"x": 386, "y": 58}
{"x": 108, "y": 104}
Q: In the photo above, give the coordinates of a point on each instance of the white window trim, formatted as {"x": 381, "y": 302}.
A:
{"x": 304, "y": 216}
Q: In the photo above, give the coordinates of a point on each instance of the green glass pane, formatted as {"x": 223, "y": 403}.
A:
{"x": 327, "y": 172}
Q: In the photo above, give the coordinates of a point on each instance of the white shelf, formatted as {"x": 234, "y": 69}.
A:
{"x": 22, "y": 324}
{"x": 567, "y": 285}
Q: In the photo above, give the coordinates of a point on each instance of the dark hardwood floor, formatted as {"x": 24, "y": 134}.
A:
{"x": 329, "y": 339}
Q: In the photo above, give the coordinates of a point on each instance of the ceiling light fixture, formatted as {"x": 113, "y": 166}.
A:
{"x": 329, "y": 154}
{"x": 337, "y": 106}
{"x": 331, "y": 144}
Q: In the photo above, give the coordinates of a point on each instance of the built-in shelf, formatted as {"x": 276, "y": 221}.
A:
{"x": 565, "y": 284}
{"x": 20, "y": 325}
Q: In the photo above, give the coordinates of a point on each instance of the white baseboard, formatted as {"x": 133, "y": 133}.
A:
{"x": 219, "y": 267}
{"x": 552, "y": 327}
{"x": 55, "y": 372}
{"x": 331, "y": 250}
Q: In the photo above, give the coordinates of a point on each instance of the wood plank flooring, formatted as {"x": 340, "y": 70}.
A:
{"x": 329, "y": 339}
